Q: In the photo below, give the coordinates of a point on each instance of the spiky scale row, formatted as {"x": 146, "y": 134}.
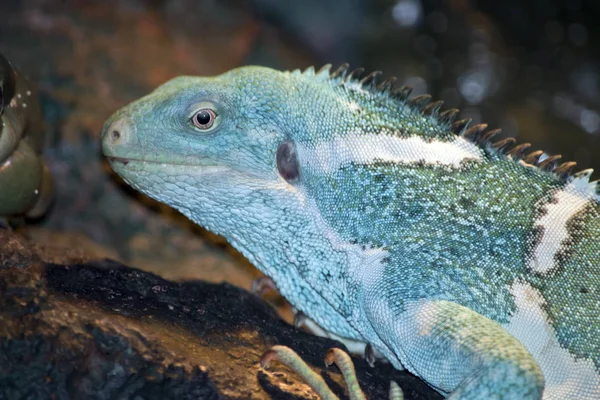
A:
{"x": 533, "y": 157}
{"x": 323, "y": 69}
{"x": 487, "y": 136}
{"x": 448, "y": 116}
{"x": 549, "y": 163}
{"x": 459, "y": 127}
{"x": 584, "y": 176}
{"x": 504, "y": 144}
{"x": 565, "y": 168}
{"x": 386, "y": 85}
{"x": 477, "y": 133}
{"x": 353, "y": 76}
{"x": 370, "y": 80}
{"x": 519, "y": 150}
{"x": 340, "y": 72}
{"x": 433, "y": 108}
{"x": 402, "y": 93}
{"x": 419, "y": 102}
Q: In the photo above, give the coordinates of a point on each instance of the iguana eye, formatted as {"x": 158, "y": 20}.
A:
{"x": 204, "y": 118}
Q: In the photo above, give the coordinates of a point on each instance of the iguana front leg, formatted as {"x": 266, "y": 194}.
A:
{"x": 355, "y": 347}
{"x": 263, "y": 284}
{"x": 457, "y": 351}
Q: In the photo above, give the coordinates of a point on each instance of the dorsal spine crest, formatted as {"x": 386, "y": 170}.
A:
{"x": 478, "y": 134}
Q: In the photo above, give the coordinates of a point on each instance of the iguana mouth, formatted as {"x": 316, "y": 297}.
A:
{"x": 126, "y": 161}
{"x": 198, "y": 168}
{"x": 121, "y": 160}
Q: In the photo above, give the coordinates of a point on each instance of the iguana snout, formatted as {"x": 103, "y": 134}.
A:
{"x": 116, "y": 135}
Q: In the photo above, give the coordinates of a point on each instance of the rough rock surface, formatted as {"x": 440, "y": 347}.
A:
{"x": 99, "y": 329}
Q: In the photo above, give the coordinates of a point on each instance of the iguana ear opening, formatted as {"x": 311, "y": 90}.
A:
{"x": 287, "y": 162}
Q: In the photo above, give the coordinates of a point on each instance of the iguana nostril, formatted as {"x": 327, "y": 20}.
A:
{"x": 118, "y": 131}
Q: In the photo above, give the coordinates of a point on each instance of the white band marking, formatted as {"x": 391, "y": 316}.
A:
{"x": 567, "y": 202}
{"x": 364, "y": 149}
{"x": 567, "y": 377}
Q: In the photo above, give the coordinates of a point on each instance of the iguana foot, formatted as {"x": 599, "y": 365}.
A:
{"x": 355, "y": 347}
{"x": 371, "y": 355}
{"x": 293, "y": 361}
{"x": 263, "y": 284}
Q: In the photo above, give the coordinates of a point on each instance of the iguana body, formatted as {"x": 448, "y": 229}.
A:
{"x": 385, "y": 222}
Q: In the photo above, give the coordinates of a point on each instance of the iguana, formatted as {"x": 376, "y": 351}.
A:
{"x": 473, "y": 263}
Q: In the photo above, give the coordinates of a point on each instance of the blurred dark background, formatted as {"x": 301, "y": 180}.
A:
{"x": 528, "y": 67}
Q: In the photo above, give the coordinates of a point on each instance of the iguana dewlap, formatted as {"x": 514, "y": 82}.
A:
{"x": 474, "y": 264}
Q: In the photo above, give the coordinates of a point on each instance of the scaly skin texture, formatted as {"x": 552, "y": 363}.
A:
{"x": 455, "y": 257}
{"x": 26, "y": 186}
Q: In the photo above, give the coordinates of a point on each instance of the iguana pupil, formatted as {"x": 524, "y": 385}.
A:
{"x": 287, "y": 162}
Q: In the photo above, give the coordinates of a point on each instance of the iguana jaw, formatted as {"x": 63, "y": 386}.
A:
{"x": 123, "y": 164}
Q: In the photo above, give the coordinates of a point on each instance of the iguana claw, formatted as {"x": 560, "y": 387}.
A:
{"x": 293, "y": 361}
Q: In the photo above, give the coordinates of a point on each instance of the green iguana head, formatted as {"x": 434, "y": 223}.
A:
{"x": 212, "y": 145}
{"x": 220, "y": 127}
